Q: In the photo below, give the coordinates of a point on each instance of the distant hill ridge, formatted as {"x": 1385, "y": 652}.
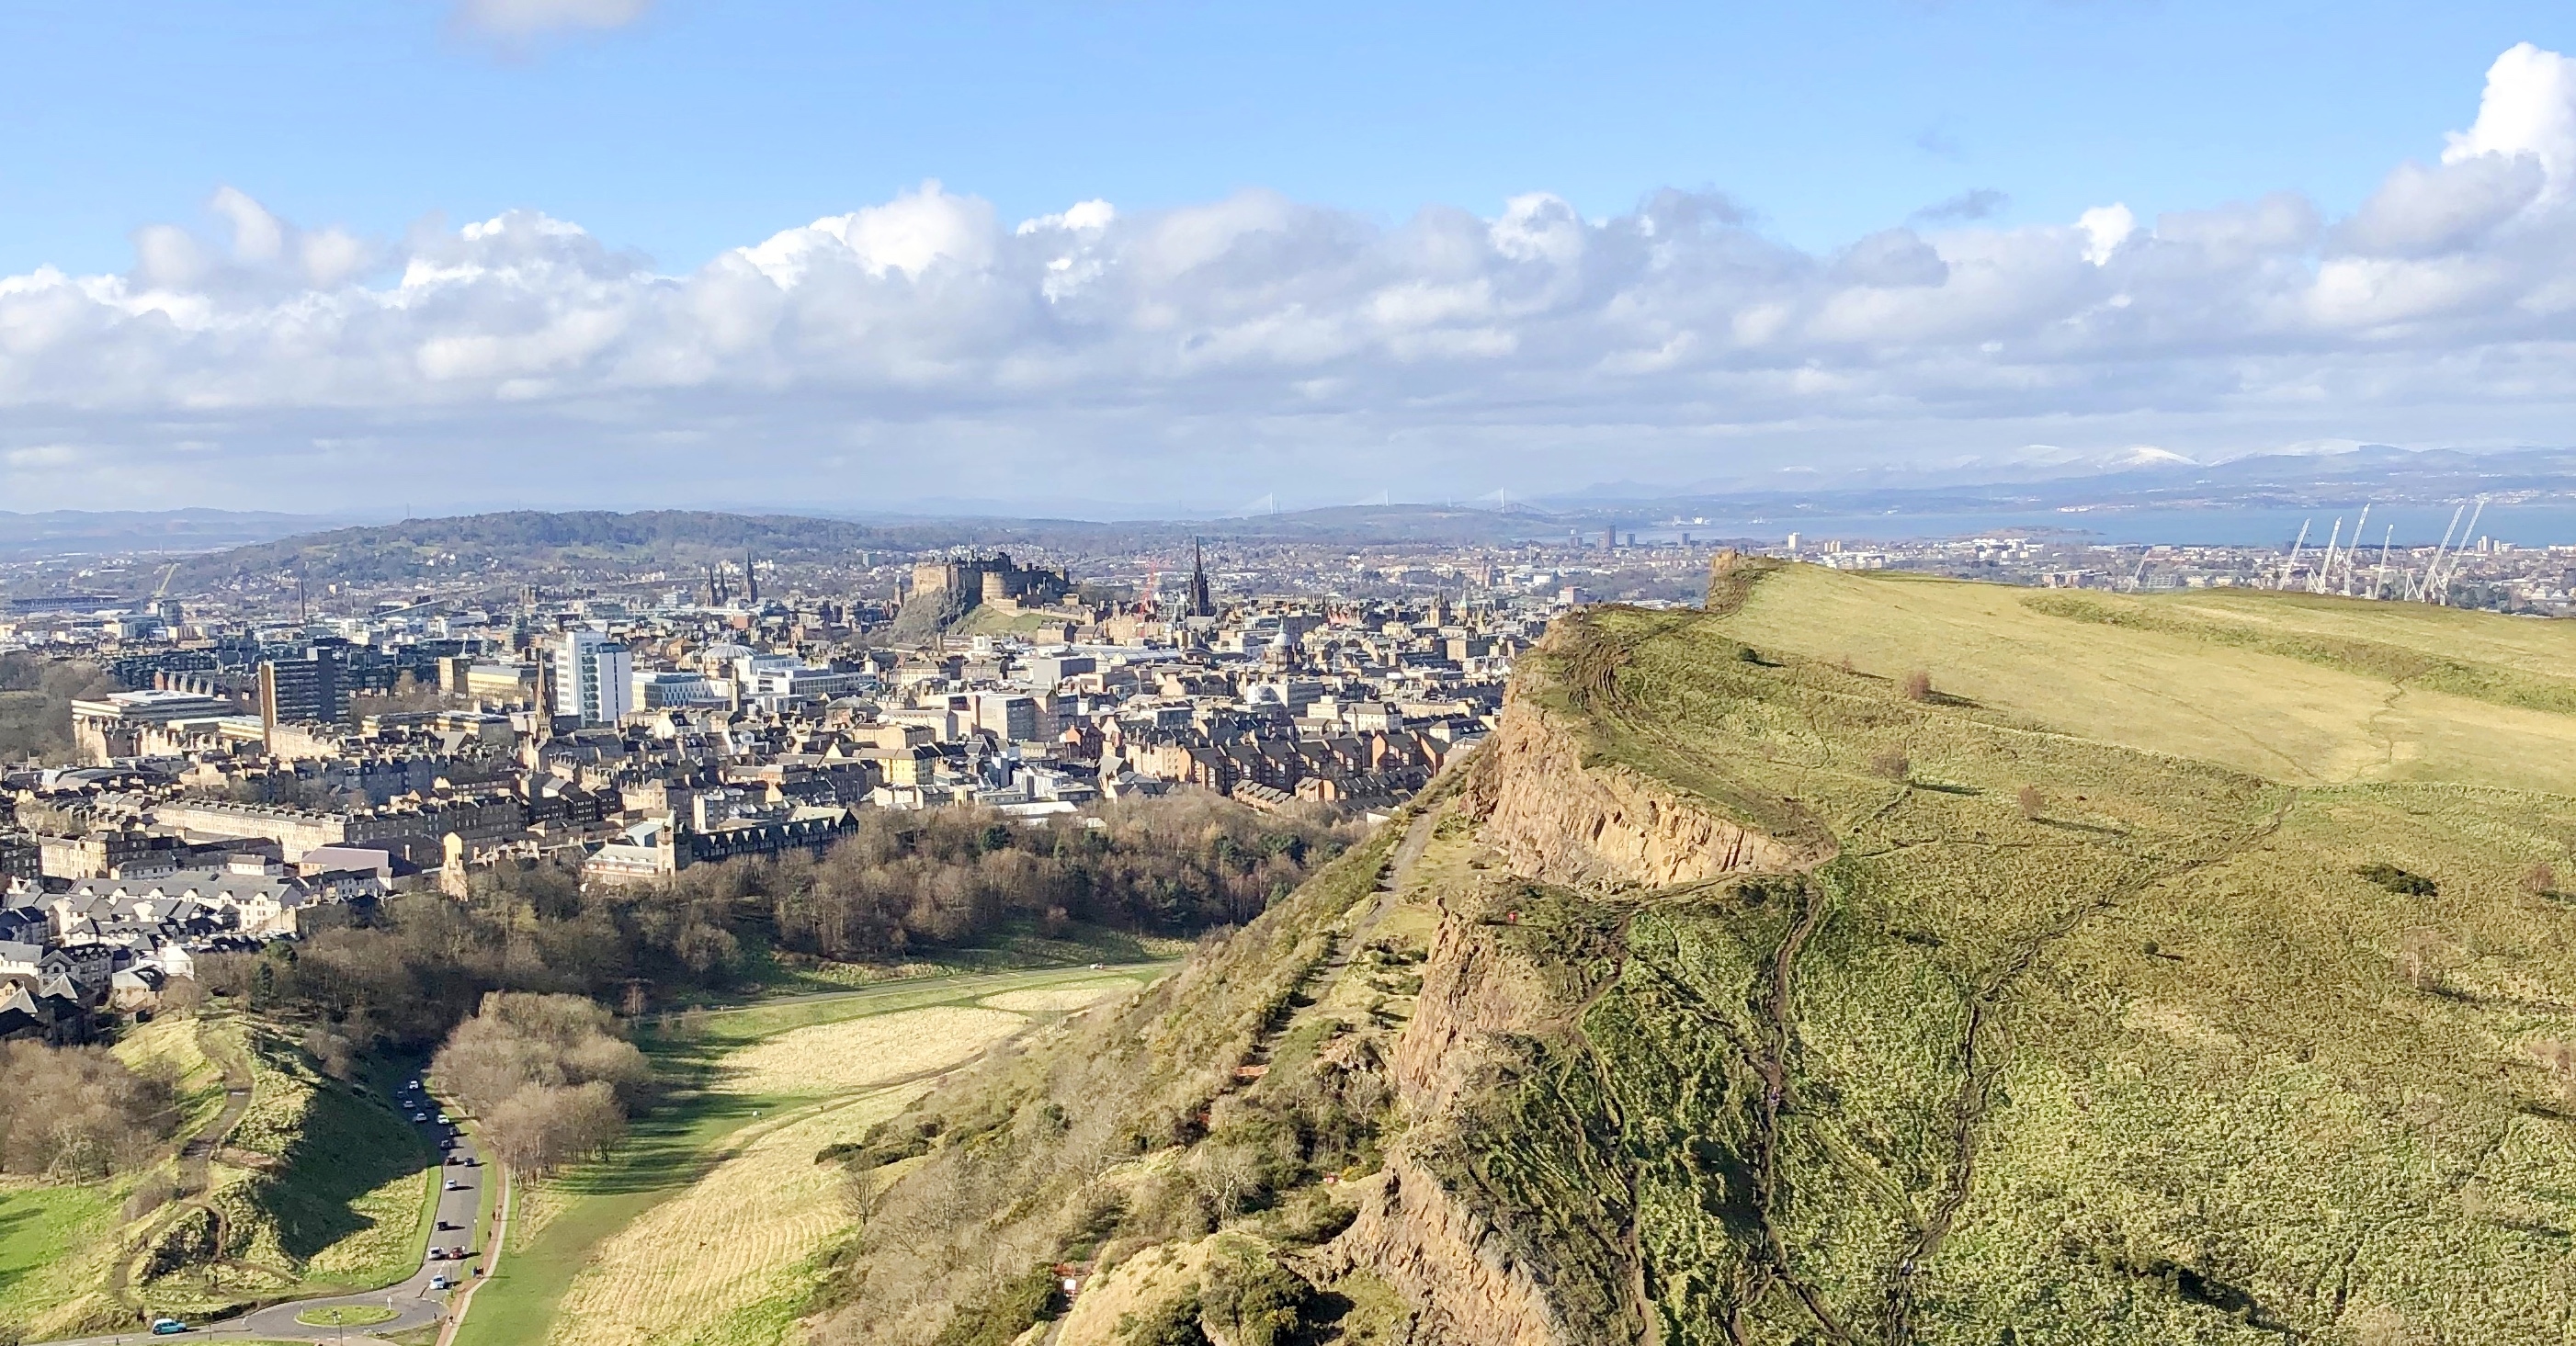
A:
{"x": 542, "y": 539}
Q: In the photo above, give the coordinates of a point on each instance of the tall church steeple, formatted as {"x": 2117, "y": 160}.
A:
{"x": 1202, "y": 602}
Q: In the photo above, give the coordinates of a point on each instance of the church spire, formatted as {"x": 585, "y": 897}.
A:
{"x": 1202, "y": 602}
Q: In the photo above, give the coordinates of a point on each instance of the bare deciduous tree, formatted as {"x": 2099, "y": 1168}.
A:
{"x": 1918, "y": 685}
{"x": 76, "y": 1112}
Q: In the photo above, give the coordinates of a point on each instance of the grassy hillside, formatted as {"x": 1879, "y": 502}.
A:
{"x": 2102, "y": 1035}
{"x": 1194, "y": 1133}
{"x": 2179, "y": 969}
{"x": 301, "y": 1185}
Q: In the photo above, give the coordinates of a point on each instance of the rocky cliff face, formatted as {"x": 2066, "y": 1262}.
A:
{"x": 1555, "y": 820}
{"x": 1472, "y": 1280}
{"x": 1479, "y": 1271}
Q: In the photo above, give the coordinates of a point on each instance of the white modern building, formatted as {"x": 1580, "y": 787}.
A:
{"x": 594, "y": 678}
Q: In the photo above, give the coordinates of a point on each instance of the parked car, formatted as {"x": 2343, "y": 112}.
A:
{"x": 420, "y": 1116}
{"x": 168, "y": 1327}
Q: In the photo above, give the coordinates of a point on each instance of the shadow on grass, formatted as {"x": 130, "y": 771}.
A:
{"x": 666, "y": 1147}
{"x": 12, "y": 1217}
{"x": 347, "y": 1148}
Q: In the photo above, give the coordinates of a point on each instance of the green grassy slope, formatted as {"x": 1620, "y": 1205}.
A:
{"x": 1215, "y": 1098}
{"x": 317, "y": 1187}
{"x": 2148, "y": 1061}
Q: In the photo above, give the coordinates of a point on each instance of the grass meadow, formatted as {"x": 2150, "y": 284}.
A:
{"x": 584, "y": 1243}
{"x": 2097, "y": 1027}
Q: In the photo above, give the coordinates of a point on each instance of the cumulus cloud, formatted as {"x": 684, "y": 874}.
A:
{"x": 2420, "y": 211}
{"x": 2529, "y": 109}
{"x": 924, "y": 346}
{"x": 2105, "y": 229}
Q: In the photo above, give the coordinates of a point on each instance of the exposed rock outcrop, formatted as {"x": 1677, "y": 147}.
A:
{"x": 1479, "y": 1272}
{"x": 1473, "y": 1282}
{"x": 1558, "y": 821}
{"x": 1470, "y": 1287}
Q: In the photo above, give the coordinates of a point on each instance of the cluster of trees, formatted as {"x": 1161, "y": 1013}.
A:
{"x": 36, "y": 695}
{"x": 77, "y": 1112}
{"x": 426, "y": 961}
{"x": 549, "y": 1077}
{"x": 1173, "y": 866}
{"x": 906, "y": 883}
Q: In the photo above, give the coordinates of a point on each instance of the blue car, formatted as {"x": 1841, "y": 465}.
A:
{"x": 168, "y": 1327}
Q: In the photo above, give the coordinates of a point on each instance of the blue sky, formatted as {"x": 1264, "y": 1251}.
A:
{"x": 700, "y": 125}
{"x": 669, "y": 251}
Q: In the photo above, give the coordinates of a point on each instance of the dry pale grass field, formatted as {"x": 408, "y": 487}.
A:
{"x": 862, "y": 1054}
{"x": 2161, "y": 687}
{"x": 731, "y": 1241}
{"x": 1059, "y": 999}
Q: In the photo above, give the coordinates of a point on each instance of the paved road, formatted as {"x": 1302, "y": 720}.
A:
{"x": 414, "y": 1303}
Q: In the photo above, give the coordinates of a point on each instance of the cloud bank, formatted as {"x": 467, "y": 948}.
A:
{"x": 926, "y": 347}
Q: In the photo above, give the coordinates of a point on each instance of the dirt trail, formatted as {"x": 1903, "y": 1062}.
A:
{"x": 1774, "y": 1070}
{"x": 193, "y": 1156}
{"x": 1320, "y": 980}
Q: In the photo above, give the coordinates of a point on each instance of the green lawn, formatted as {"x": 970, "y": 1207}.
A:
{"x": 37, "y": 1226}
{"x": 675, "y": 1143}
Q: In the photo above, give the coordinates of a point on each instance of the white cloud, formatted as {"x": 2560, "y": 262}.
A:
{"x": 42, "y": 456}
{"x": 910, "y": 234}
{"x": 2422, "y": 210}
{"x": 522, "y": 19}
{"x": 2529, "y": 108}
{"x": 1220, "y": 349}
{"x": 2105, "y": 229}
{"x": 257, "y": 235}
{"x": 1080, "y": 217}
